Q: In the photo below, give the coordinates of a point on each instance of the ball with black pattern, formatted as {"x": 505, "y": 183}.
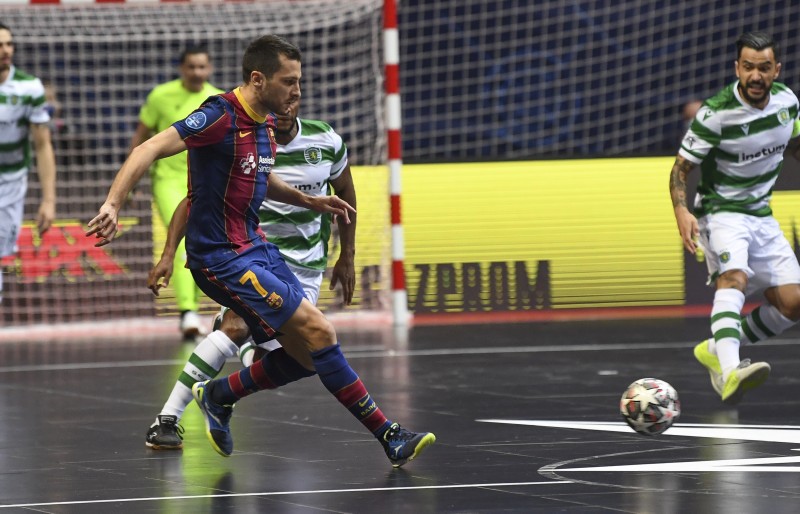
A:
{"x": 650, "y": 406}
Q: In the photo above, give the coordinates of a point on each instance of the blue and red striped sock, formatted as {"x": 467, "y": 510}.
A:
{"x": 273, "y": 370}
{"x": 340, "y": 379}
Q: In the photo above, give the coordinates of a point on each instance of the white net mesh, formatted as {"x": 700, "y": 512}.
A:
{"x": 521, "y": 79}
{"x": 103, "y": 60}
{"x": 481, "y": 80}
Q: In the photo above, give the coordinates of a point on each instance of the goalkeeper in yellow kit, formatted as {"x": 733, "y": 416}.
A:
{"x": 166, "y": 104}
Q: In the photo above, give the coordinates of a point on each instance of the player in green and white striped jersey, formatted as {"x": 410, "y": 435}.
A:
{"x": 738, "y": 138}
{"x": 311, "y": 157}
{"x": 23, "y": 116}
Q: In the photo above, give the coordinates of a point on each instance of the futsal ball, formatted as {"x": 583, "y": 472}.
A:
{"x": 650, "y": 406}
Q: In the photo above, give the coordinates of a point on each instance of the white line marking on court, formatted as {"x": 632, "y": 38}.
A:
{"x": 370, "y": 354}
{"x": 287, "y": 493}
{"x": 738, "y": 465}
{"x": 767, "y": 433}
{"x": 365, "y": 354}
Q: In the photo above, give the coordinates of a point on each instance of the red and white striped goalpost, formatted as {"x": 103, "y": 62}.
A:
{"x": 391, "y": 58}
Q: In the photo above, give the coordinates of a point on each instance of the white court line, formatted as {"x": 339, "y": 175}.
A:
{"x": 286, "y": 493}
{"x": 369, "y": 354}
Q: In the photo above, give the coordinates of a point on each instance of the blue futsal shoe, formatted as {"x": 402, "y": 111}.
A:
{"x": 218, "y": 419}
{"x": 402, "y": 445}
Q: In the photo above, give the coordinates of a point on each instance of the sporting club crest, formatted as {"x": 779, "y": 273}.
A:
{"x": 313, "y": 155}
{"x": 783, "y": 116}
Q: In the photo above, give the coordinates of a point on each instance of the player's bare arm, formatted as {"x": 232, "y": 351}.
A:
{"x": 161, "y": 273}
{"x": 46, "y": 169}
{"x": 142, "y": 134}
{"x": 165, "y": 143}
{"x": 344, "y": 271}
{"x": 687, "y": 223}
{"x": 280, "y": 191}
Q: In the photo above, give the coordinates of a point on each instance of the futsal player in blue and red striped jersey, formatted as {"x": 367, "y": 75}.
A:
{"x": 231, "y": 152}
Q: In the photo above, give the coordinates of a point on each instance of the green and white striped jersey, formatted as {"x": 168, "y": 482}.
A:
{"x": 309, "y": 162}
{"x": 739, "y": 149}
{"x": 22, "y": 102}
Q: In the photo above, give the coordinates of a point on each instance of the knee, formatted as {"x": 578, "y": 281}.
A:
{"x": 733, "y": 279}
{"x": 791, "y": 308}
{"x": 235, "y": 328}
{"x": 322, "y": 333}
{"x": 316, "y": 332}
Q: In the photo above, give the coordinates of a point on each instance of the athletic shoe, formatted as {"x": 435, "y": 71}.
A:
{"x": 218, "y": 419}
{"x": 191, "y": 326}
{"x": 711, "y": 363}
{"x": 402, "y": 446}
{"x": 746, "y": 376}
{"x": 164, "y": 434}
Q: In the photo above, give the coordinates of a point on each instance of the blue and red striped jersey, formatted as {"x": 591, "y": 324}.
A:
{"x": 231, "y": 154}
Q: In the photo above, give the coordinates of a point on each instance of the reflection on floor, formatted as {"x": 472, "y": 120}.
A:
{"x": 75, "y": 413}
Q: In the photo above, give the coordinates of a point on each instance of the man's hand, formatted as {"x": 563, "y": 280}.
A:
{"x": 104, "y": 226}
{"x": 332, "y": 204}
{"x": 45, "y": 216}
{"x": 688, "y": 228}
{"x": 159, "y": 276}
{"x": 344, "y": 273}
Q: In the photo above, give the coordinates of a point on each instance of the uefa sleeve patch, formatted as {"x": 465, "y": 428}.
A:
{"x": 196, "y": 120}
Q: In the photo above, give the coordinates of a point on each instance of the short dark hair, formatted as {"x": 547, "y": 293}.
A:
{"x": 193, "y": 50}
{"x": 264, "y": 53}
{"x": 756, "y": 41}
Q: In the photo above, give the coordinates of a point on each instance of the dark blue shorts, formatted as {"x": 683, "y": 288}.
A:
{"x": 257, "y": 285}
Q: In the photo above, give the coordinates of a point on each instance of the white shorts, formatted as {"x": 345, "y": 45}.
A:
{"x": 752, "y": 244}
{"x": 311, "y": 280}
{"x": 12, "y": 203}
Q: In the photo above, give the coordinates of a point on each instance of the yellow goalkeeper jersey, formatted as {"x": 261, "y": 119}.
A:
{"x": 166, "y": 104}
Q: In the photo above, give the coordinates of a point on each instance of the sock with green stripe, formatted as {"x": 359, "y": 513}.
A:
{"x": 204, "y": 363}
{"x": 763, "y": 322}
{"x": 725, "y": 325}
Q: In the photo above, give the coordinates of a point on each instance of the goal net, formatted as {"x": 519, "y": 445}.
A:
{"x": 102, "y": 61}
{"x": 481, "y": 81}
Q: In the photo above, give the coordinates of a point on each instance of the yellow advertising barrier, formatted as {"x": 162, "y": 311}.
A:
{"x": 543, "y": 234}
{"x": 548, "y": 234}
{"x": 518, "y": 236}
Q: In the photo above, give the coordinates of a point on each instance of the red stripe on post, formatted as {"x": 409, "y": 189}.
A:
{"x": 392, "y": 79}
{"x": 45, "y": 1}
{"x": 389, "y": 14}
{"x": 394, "y": 144}
{"x": 398, "y": 276}
{"x": 395, "y": 209}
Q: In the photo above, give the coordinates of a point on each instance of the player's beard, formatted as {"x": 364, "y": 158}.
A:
{"x": 287, "y": 133}
{"x": 751, "y": 99}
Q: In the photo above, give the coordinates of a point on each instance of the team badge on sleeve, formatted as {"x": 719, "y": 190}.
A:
{"x": 196, "y": 120}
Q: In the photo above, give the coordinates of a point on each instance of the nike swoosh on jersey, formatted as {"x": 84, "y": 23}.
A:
{"x": 244, "y": 134}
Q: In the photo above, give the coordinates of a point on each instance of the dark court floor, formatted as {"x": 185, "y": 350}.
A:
{"x": 525, "y": 414}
